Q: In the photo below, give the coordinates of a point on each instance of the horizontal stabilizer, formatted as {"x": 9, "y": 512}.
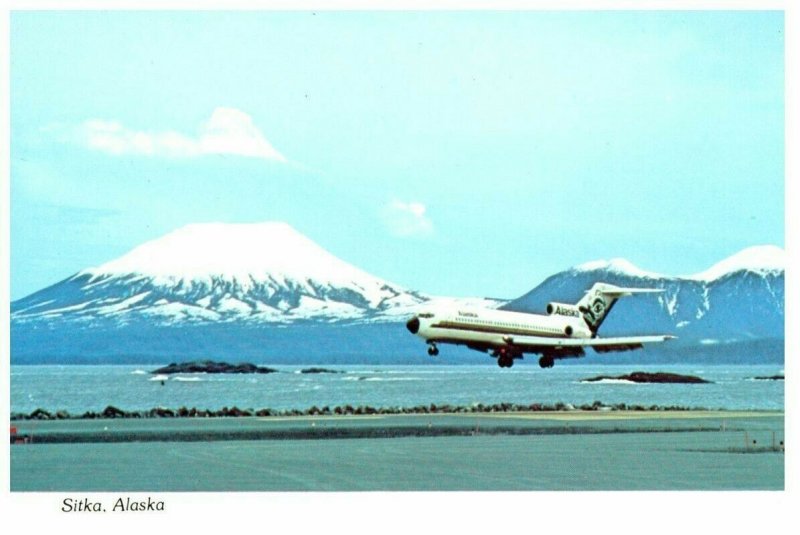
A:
{"x": 623, "y": 292}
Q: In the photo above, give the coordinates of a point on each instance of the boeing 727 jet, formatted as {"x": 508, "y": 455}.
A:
{"x": 563, "y": 333}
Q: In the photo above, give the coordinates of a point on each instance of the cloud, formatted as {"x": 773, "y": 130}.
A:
{"x": 406, "y": 219}
{"x": 228, "y": 131}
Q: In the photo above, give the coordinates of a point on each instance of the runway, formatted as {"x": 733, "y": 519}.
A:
{"x": 570, "y": 450}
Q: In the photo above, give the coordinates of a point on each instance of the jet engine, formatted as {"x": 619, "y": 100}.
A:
{"x": 561, "y": 309}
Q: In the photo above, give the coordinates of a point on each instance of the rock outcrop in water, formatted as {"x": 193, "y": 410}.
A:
{"x": 210, "y": 366}
{"x": 770, "y": 378}
{"x": 645, "y": 377}
{"x": 319, "y": 370}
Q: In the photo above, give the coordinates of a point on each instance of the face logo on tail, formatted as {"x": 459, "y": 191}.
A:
{"x": 594, "y": 313}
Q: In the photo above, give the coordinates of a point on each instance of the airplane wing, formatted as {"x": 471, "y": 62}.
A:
{"x": 601, "y": 345}
{"x": 625, "y": 343}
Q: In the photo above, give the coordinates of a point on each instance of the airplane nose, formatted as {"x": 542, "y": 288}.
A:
{"x": 413, "y": 325}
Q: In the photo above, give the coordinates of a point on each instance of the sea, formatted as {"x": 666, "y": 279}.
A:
{"x": 80, "y": 388}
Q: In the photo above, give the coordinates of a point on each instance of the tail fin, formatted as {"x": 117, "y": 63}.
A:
{"x": 599, "y": 300}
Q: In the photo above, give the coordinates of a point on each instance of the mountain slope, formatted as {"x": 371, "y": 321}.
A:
{"x": 740, "y": 298}
{"x": 264, "y": 292}
{"x": 266, "y": 272}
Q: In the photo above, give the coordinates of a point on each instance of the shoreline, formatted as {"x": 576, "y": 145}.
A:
{"x": 322, "y": 427}
{"x": 112, "y": 412}
{"x": 336, "y": 432}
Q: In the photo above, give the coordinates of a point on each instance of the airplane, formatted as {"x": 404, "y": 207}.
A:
{"x": 563, "y": 333}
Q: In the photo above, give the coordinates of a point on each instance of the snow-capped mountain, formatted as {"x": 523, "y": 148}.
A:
{"x": 265, "y": 292}
{"x": 264, "y": 272}
{"x": 740, "y": 298}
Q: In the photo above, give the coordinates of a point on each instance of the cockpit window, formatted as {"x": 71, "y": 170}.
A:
{"x": 426, "y": 315}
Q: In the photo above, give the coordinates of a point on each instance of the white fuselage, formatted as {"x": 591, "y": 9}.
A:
{"x": 565, "y": 332}
{"x": 493, "y": 327}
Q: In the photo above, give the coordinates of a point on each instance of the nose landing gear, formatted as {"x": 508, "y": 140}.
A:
{"x": 433, "y": 350}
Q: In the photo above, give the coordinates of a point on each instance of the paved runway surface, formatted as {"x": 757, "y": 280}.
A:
{"x": 574, "y": 450}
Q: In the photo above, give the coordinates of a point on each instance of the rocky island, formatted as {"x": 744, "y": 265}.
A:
{"x": 319, "y": 370}
{"x": 210, "y": 366}
{"x": 645, "y": 377}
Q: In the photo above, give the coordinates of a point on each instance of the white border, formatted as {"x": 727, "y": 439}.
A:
{"x": 376, "y": 512}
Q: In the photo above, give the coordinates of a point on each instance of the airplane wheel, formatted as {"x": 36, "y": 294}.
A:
{"x": 433, "y": 351}
{"x": 505, "y": 362}
{"x": 547, "y": 362}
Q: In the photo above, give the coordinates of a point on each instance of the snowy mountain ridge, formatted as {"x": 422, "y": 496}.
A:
{"x": 759, "y": 258}
{"x": 739, "y": 298}
{"x": 222, "y": 272}
{"x": 266, "y": 291}
{"x": 247, "y": 254}
{"x": 270, "y": 273}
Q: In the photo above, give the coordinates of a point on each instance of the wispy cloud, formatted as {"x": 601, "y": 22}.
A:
{"x": 406, "y": 219}
{"x": 227, "y": 131}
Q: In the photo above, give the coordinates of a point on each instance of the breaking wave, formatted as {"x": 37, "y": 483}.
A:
{"x": 380, "y": 379}
{"x": 391, "y": 379}
{"x": 609, "y": 382}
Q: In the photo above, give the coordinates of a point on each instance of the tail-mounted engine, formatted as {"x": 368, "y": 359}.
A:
{"x": 561, "y": 309}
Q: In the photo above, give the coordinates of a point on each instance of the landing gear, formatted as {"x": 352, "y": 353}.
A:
{"x": 547, "y": 361}
{"x": 505, "y": 358}
{"x": 433, "y": 350}
{"x": 505, "y": 362}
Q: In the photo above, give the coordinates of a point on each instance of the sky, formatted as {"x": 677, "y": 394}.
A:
{"x": 454, "y": 153}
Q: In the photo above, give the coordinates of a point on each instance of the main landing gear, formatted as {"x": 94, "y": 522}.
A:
{"x": 547, "y": 361}
{"x": 505, "y": 358}
{"x": 433, "y": 350}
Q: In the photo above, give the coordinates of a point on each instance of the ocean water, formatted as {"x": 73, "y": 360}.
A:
{"x": 77, "y": 388}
